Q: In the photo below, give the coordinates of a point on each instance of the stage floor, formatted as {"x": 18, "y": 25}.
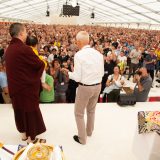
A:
{"x": 115, "y": 128}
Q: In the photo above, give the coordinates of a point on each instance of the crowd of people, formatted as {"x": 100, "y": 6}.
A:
{"x": 129, "y": 49}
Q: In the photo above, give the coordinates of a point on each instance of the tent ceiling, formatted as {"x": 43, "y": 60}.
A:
{"x": 105, "y": 10}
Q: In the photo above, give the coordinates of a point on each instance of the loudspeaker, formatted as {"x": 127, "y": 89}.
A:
{"x": 92, "y": 15}
{"x": 68, "y": 10}
{"x": 47, "y": 13}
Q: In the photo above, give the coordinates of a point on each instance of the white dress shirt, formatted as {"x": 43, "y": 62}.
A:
{"x": 88, "y": 66}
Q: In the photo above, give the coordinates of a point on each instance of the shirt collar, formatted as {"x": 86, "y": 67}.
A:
{"x": 144, "y": 78}
{"x": 86, "y": 46}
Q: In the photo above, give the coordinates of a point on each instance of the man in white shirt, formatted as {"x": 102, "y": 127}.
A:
{"x": 135, "y": 56}
{"x": 52, "y": 55}
{"x": 88, "y": 71}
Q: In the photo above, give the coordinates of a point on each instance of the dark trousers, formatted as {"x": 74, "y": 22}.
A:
{"x": 1, "y": 99}
{"x": 30, "y": 123}
{"x": 104, "y": 98}
{"x": 28, "y": 117}
{"x": 151, "y": 72}
{"x": 113, "y": 95}
{"x": 158, "y": 66}
{"x": 60, "y": 97}
{"x": 133, "y": 67}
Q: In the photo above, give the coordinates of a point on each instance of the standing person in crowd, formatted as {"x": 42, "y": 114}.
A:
{"x": 122, "y": 61}
{"x": 150, "y": 62}
{"x": 130, "y": 47}
{"x": 106, "y": 47}
{"x": 57, "y": 42}
{"x": 88, "y": 71}
{"x": 115, "y": 49}
{"x": 47, "y": 96}
{"x": 143, "y": 85}
{"x": 143, "y": 57}
{"x": 53, "y": 55}
{"x": 1, "y": 51}
{"x": 61, "y": 81}
{"x": 63, "y": 56}
{"x": 46, "y": 52}
{"x": 24, "y": 70}
{"x": 126, "y": 50}
{"x": 4, "y": 98}
{"x": 109, "y": 65}
{"x": 157, "y": 52}
{"x": 72, "y": 86}
{"x": 135, "y": 56}
{"x": 32, "y": 41}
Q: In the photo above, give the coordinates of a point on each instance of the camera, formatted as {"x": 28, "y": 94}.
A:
{"x": 107, "y": 51}
{"x": 138, "y": 73}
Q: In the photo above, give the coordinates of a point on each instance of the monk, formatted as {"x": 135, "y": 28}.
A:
{"x": 24, "y": 70}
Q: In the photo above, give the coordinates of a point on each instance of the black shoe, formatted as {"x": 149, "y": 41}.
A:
{"x": 76, "y": 138}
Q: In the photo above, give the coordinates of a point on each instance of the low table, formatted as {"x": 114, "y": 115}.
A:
{"x": 14, "y": 148}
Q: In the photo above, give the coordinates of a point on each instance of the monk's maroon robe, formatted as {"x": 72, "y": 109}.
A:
{"x": 24, "y": 70}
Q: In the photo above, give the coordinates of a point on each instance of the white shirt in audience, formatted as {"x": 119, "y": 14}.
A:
{"x": 122, "y": 59}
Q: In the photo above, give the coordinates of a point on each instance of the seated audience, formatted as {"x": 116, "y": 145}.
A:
{"x": 109, "y": 65}
{"x": 114, "y": 84}
{"x": 143, "y": 85}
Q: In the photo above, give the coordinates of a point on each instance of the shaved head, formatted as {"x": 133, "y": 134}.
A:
{"x": 15, "y": 29}
{"x": 18, "y": 30}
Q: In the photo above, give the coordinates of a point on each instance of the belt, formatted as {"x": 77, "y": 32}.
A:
{"x": 89, "y": 84}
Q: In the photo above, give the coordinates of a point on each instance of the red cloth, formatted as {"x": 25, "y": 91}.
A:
{"x": 24, "y": 70}
{"x": 153, "y": 99}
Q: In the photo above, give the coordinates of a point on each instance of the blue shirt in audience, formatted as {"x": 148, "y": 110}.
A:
{"x": 3, "y": 80}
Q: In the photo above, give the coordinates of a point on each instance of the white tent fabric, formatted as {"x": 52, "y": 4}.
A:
{"x": 106, "y": 11}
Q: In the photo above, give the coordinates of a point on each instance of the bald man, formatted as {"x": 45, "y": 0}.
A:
{"x": 143, "y": 86}
{"x": 88, "y": 71}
